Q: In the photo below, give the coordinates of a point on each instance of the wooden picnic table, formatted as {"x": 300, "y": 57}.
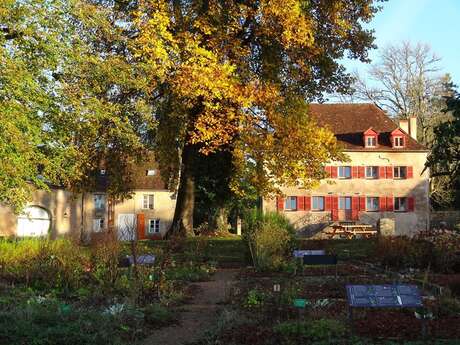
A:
{"x": 352, "y": 230}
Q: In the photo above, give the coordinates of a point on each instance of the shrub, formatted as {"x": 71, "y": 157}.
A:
{"x": 270, "y": 237}
{"x": 41, "y": 263}
{"x": 157, "y": 315}
{"x": 316, "y": 330}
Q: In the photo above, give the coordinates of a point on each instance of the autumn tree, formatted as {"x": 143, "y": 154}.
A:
{"x": 237, "y": 75}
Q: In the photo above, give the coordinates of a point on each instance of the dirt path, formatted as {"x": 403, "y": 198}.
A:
{"x": 199, "y": 314}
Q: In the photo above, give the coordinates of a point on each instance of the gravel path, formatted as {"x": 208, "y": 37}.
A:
{"x": 199, "y": 314}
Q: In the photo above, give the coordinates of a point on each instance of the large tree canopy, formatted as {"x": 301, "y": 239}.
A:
{"x": 237, "y": 75}
{"x": 185, "y": 77}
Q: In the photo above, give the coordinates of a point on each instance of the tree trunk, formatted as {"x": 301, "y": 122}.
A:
{"x": 182, "y": 224}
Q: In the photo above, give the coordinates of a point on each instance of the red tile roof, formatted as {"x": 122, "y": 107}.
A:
{"x": 348, "y": 121}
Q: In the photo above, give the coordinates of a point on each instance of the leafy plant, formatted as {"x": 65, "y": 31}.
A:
{"x": 270, "y": 238}
{"x": 255, "y": 298}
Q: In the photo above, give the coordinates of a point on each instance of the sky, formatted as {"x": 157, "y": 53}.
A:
{"x": 435, "y": 22}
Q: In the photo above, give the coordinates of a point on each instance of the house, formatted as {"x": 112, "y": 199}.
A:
{"x": 58, "y": 212}
{"x": 384, "y": 178}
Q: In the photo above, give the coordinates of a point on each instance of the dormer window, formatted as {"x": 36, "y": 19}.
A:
{"x": 370, "y": 138}
{"x": 398, "y": 139}
{"x": 398, "y": 142}
{"x": 371, "y": 142}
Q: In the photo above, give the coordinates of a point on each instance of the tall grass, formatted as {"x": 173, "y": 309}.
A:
{"x": 270, "y": 238}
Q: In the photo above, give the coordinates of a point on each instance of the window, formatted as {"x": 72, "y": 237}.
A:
{"x": 290, "y": 203}
{"x": 371, "y": 141}
{"x": 150, "y": 172}
{"x": 372, "y": 172}
{"x": 98, "y": 224}
{"x": 401, "y": 204}
{"x": 99, "y": 202}
{"x": 372, "y": 203}
{"x": 318, "y": 203}
{"x": 400, "y": 172}
{"x": 344, "y": 172}
{"x": 147, "y": 202}
{"x": 399, "y": 141}
{"x": 345, "y": 203}
{"x": 154, "y": 226}
{"x": 102, "y": 172}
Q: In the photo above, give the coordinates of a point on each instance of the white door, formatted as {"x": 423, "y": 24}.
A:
{"x": 126, "y": 226}
{"x": 33, "y": 222}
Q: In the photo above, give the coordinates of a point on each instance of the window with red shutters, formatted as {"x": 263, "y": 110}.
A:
{"x": 362, "y": 203}
{"x": 308, "y": 203}
{"x": 389, "y": 172}
{"x": 411, "y": 204}
{"x": 410, "y": 172}
{"x": 301, "y": 203}
{"x": 354, "y": 172}
{"x": 334, "y": 172}
{"x": 390, "y": 207}
{"x": 279, "y": 203}
{"x": 382, "y": 204}
{"x": 381, "y": 172}
{"x": 361, "y": 172}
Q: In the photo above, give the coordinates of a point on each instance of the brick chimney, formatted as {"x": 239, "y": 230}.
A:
{"x": 413, "y": 127}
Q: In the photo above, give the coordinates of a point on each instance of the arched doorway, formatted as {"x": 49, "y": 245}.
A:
{"x": 35, "y": 221}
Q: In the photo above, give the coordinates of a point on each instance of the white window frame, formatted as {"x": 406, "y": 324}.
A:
{"x": 371, "y": 141}
{"x": 399, "y": 141}
{"x": 368, "y": 201}
{"x": 288, "y": 203}
{"x": 397, "y": 204}
{"x": 96, "y": 203}
{"x": 397, "y": 172}
{"x": 156, "y": 226}
{"x": 343, "y": 169}
{"x": 319, "y": 197}
{"x": 98, "y": 224}
{"x": 373, "y": 167}
{"x": 148, "y": 201}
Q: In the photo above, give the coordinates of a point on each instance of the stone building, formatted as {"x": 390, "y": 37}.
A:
{"x": 148, "y": 211}
{"x": 384, "y": 177}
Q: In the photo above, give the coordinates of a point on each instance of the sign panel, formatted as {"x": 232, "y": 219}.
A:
{"x": 300, "y": 303}
{"x": 301, "y": 253}
{"x": 381, "y": 296}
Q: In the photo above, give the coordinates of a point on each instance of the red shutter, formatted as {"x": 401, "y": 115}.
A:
{"x": 362, "y": 203}
{"x": 410, "y": 172}
{"x": 361, "y": 172}
{"x": 411, "y": 204}
{"x": 279, "y": 203}
{"x": 390, "y": 207}
{"x": 335, "y": 202}
{"x": 140, "y": 226}
{"x": 334, "y": 172}
{"x": 301, "y": 203}
{"x": 389, "y": 172}
{"x": 328, "y": 171}
{"x": 382, "y": 204}
{"x": 335, "y": 208}
{"x": 354, "y": 172}
{"x": 381, "y": 172}
{"x": 355, "y": 208}
{"x": 307, "y": 203}
{"x": 328, "y": 203}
